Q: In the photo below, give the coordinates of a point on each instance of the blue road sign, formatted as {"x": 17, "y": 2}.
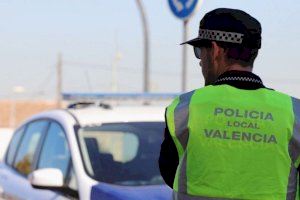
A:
{"x": 183, "y": 9}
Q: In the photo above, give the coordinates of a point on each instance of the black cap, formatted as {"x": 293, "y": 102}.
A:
{"x": 230, "y": 26}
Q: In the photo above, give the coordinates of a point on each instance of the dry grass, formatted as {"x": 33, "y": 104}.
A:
{"x": 23, "y": 109}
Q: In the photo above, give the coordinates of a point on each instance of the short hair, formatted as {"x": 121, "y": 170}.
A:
{"x": 241, "y": 55}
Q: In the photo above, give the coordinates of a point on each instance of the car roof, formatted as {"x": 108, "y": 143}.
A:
{"x": 96, "y": 115}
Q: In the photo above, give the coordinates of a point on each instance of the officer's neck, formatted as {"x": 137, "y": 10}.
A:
{"x": 237, "y": 67}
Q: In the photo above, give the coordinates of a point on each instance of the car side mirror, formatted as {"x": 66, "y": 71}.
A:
{"x": 46, "y": 178}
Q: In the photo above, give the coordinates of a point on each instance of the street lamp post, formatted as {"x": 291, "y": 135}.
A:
{"x": 59, "y": 81}
{"x": 114, "y": 76}
{"x": 146, "y": 46}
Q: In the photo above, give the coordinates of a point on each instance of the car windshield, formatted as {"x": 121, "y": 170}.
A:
{"x": 123, "y": 153}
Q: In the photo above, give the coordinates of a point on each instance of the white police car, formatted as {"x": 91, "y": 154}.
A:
{"x": 87, "y": 153}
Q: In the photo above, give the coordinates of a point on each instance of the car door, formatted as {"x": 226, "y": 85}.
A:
{"x": 6, "y": 165}
{"x": 20, "y": 161}
{"x": 55, "y": 153}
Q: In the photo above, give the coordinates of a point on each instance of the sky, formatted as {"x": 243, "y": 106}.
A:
{"x": 91, "y": 34}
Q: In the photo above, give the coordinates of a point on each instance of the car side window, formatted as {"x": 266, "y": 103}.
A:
{"x": 55, "y": 151}
{"x": 13, "y": 146}
{"x": 29, "y": 144}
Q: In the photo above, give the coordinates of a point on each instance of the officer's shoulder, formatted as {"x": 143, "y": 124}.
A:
{"x": 294, "y": 98}
{"x": 279, "y": 93}
{"x": 185, "y": 97}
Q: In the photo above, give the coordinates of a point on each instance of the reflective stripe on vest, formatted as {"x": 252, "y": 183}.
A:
{"x": 180, "y": 112}
{"x": 235, "y": 144}
{"x": 294, "y": 151}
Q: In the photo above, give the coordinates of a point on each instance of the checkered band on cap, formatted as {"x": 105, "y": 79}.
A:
{"x": 221, "y": 36}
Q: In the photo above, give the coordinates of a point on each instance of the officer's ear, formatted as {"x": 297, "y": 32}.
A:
{"x": 217, "y": 51}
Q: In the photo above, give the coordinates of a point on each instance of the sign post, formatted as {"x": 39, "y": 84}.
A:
{"x": 184, "y": 9}
{"x": 184, "y": 56}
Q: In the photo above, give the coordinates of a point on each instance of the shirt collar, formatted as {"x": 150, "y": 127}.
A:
{"x": 240, "y": 79}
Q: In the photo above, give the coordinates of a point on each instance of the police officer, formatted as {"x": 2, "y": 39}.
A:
{"x": 233, "y": 138}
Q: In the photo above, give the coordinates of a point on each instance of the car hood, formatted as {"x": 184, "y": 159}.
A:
{"x": 113, "y": 192}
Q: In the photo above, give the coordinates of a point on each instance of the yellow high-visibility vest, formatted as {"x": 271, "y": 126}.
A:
{"x": 235, "y": 144}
